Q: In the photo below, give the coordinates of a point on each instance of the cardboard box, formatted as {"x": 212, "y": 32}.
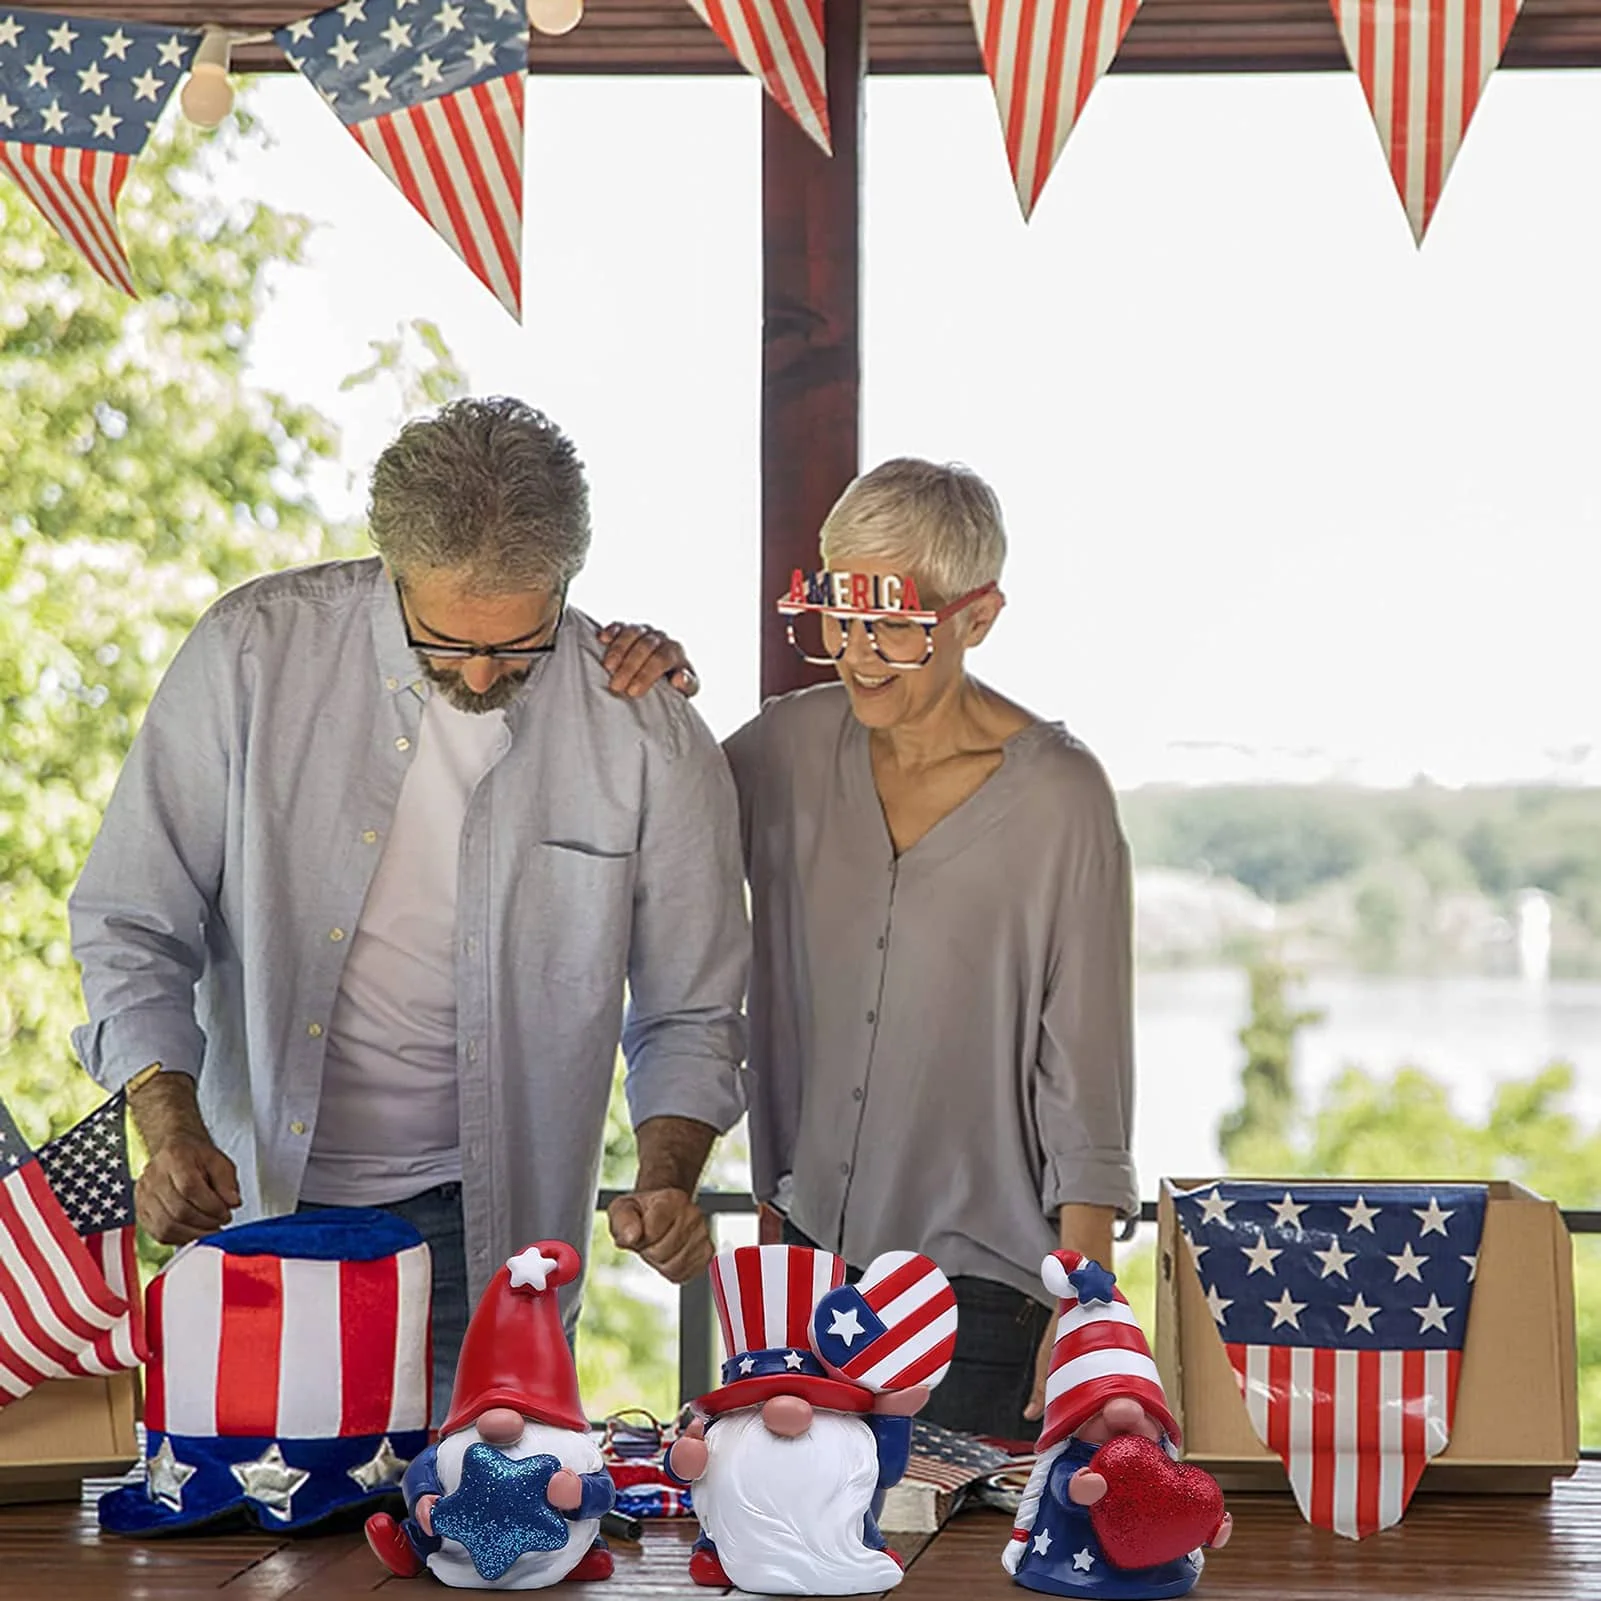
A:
{"x": 1517, "y": 1412}
{"x": 64, "y": 1432}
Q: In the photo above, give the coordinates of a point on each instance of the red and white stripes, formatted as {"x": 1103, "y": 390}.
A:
{"x": 1423, "y": 65}
{"x": 781, "y": 43}
{"x": 1043, "y": 58}
{"x": 765, "y": 1294}
{"x": 76, "y": 191}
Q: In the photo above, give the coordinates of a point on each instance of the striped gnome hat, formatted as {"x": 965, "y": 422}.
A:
{"x": 1100, "y": 1352}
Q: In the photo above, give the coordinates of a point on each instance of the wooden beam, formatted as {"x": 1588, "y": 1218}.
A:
{"x": 811, "y": 329}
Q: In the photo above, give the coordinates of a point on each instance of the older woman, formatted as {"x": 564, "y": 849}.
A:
{"x": 940, "y": 999}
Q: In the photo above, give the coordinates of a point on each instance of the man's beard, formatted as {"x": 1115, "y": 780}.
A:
{"x": 453, "y": 687}
{"x": 534, "y": 1569}
{"x": 786, "y": 1514}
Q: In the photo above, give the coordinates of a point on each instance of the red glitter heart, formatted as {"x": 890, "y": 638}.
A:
{"x": 1155, "y": 1509}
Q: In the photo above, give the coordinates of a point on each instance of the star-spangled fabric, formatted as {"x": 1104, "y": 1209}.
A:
{"x": 78, "y": 98}
{"x": 432, "y": 90}
{"x": 1343, "y": 1310}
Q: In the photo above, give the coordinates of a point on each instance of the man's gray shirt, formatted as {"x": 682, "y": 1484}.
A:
{"x": 600, "y": 850}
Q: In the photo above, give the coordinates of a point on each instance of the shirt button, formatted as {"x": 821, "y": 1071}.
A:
{"x": 844, "y": 1170}
{"x": 472, "y": 1050}
{"x": 336, "y": 934}
{"x": 391, "y": 683}
{"x": 856, "y": 1094}
{"x": 314, "y": 1030}
{"x": 369, "y": 836}
{"x": 881, "y": 942}
{"x": 872, "y": 1017}
{"x": 297, "y": 1127}
{"x": 402, "y": 743}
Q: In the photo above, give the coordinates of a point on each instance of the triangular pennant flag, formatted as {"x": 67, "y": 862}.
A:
{"x": 78, "y": 98}
{"x": 1043, "y": 58}
{"x": 1423, "y": 65}
{"x": 780, "y": 42}
{"x": 433, "y": 92}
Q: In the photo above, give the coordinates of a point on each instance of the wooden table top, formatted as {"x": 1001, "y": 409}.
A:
{"x": 1509, "y": 1548}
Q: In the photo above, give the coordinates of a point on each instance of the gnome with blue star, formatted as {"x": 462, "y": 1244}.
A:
{"x": 512, "y": 1495}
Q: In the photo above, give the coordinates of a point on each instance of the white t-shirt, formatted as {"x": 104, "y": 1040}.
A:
{"x": 387, "y": 1124}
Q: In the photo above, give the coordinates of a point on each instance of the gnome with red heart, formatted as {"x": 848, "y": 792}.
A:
{"x": 1108, "y": 1511}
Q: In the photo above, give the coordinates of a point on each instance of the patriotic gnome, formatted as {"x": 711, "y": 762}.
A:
{"x": 1108, "y": 1511}
{"x": 511, "y": 1496}
{"x": 813, "y": 1422}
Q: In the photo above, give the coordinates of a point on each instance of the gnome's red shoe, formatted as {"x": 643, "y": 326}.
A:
{"x": 895, "y": 1557}
{"x": 596, "y": 1563}
{"x": 391, "y": 1547}
{"x": 704, "y": 1568}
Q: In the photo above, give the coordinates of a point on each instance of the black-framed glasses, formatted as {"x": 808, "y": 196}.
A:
{"x": 455, "y": 650}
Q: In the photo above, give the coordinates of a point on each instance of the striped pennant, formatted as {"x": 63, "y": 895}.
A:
{"x": 1423, "y": 67}
{"x": 432, "y": 90}
{"x": 894, "y": 1330}
{"x": 78, "y": 98}
{"x": 780, "y": 42}
{"x": 1043, "y": 58}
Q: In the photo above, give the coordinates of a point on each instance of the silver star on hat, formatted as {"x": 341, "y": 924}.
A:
{"x": 381, "y": 1470}
{"x": 271, "y": 1481}
{"x": 166, "y": 1476}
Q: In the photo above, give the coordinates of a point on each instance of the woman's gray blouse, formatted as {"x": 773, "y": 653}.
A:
{"x": 941, "y": 1044}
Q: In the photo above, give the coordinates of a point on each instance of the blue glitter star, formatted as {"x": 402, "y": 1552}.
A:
{"x": 1093, "y": 1283}
{"x": 499, "y": 1512}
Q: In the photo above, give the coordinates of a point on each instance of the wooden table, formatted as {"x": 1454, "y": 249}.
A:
{"x": 1509, "y": 1548}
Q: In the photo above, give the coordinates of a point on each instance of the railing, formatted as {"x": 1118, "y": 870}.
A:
{"x": 697, "y": 1363}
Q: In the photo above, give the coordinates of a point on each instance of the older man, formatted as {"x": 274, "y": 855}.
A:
{"x": 376, "y": 873}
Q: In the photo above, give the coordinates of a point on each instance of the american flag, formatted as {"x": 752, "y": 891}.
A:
{"x": 950, "y": 1460}
{"x": 1343, "y": 1309}
{"x": 433, "y": 92}
{"x": 1423, "y": 65}
{"x": 78, "y": 98}
{"x": 87, "y": 1168}
{"x": 1043, "y": 58}
{"x": 781, "y": 43}
{"x": 893, "y": 1330}
{"x": 55, "y": 1304}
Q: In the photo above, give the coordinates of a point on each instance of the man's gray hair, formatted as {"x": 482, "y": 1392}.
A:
{"x": 942, "y": 522}
{"x": 490, "y": 491}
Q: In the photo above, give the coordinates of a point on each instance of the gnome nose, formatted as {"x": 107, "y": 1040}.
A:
{"x": 787, "y": 1415}
{"x": 1124, "y": 1415}
{"x": 500, "y": 1426}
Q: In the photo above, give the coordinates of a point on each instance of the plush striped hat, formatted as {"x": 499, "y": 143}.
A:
{"x": 289, "y": 1374}
{"x": 1100, "y": 1352}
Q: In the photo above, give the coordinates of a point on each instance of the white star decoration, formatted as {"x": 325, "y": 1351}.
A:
{"x": 1196, "y": 1251}
{"x": 116, "y": 44}
{"x": 530, "y": 1268}
{"x": 1432, "y": 1217}
{"x": 166, "y": 1476}
{"x": 482, "y": 54}
{"x": 171, "y": 51}
{"x": 448, "y": 17}
{"x": 397, "y": 34}
{"x": 1287, "y": 1213}
{"x": 428, "y": 69}
{"x": 375, "y": 87}
{"x": 792, "y": 1360}
{"x": 1214, "y": 1209}
{"x": 1408, "y": 1264}
{"x": 90, "y": 79}
{"x": 1473, "y": 1266}
{"x": 747, "y": 1364}
{"x": 1433, "y": 1315}
{"x": 846, "y": 1325}
{"x": 1042, "y": 1544}
{"x": 1261, "y": 1255}
{"x": 8, "y": 111}
{"x": 10, "y": 31}
{"x": 105, "y": 127}
{"x": 271, "y": 1481}
{"x": 1334, "y": 1260}
{"x": 1285, "y": 1310}
{"x": 1361, "y": 1215}
{"x": 344, "y": 52}
{"x": 1083, "y": 1561}
{"x": 55, "y": 119}
{"x": 146, "y": 86}
{"x": 1359, "y": 1315}
{"x": 300, "y": 31}
{"x": 381, "y": 1469}
{"x": 1217, "y": 1304}
{"x": 38, "y": 73}
{"x": 62, "y": 38}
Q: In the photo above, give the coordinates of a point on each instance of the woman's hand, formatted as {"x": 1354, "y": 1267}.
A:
{"x": 637, "y": 656}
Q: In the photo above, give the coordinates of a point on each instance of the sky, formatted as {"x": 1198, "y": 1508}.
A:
{"x": 1287, "y": 497}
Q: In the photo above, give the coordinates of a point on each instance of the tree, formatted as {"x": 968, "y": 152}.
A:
{"x": 1255, "y": 1136}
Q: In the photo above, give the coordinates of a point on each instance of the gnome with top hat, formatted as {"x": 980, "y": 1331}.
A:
{"x": 512, "y": 1495}
{"x": 791, "y": 1455}
{"x": 1108, "y": 1512}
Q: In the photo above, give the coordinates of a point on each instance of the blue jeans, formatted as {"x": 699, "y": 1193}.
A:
{"x": 436, "y": 1215}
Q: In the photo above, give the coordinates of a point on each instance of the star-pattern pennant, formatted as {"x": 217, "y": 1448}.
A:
{"x": 1343, "y": 1310}
{"x": 781, "y": 43}
{"x": 78, "y": 98}
{"x": 1044, "y": 57}
{"x": 432, "y": 90}
{"x": 1423, "y": 66}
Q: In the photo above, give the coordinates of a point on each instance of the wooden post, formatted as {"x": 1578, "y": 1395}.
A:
{"x": 811, "y": 330}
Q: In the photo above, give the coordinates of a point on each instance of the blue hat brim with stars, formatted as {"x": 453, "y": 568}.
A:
{"x": 757, "y": 1376}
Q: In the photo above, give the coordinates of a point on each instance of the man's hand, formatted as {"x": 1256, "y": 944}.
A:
{"x": 1042, "y": 1370}
{"x": 666, "y": 1228}
{"x": 189, "y": 1187}
{"x": 637, "y": 656}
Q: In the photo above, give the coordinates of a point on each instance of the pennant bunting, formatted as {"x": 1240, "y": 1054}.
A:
{"x": 1043, "y": 58}
{"x": 78, "y": 98}
{"x": 433, "y": 92}
{"x": 1423, "y": 65}
{"x": 780, "y": 42}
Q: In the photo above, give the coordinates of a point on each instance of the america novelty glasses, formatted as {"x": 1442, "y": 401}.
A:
{"x": 820, "y": 608}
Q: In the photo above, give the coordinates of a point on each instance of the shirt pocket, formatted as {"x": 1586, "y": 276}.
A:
{"x": 580, "y": 901}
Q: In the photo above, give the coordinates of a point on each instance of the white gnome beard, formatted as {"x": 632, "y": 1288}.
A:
{"x": 786, "y": 1514}
{"x": 534, "y": 1569}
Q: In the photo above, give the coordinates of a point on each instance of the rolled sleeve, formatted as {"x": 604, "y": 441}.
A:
{"x": 1084, "y": 1105}
{"x": 139, "y": 909}
{"x": 684, "y": 1038}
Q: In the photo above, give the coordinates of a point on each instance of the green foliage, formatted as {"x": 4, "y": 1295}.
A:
{"x": 1255, "y": 1135}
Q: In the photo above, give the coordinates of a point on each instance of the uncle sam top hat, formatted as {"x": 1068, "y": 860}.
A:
{"x": 289, "y": 1374}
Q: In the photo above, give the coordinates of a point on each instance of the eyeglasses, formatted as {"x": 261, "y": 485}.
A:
{"x": 900, "y": 639}
{"x": 455, "y": 650}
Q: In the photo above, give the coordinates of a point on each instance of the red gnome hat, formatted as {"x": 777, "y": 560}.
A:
{"x": 1100, "y": 1351}
{"x": 515, "y": 1353}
